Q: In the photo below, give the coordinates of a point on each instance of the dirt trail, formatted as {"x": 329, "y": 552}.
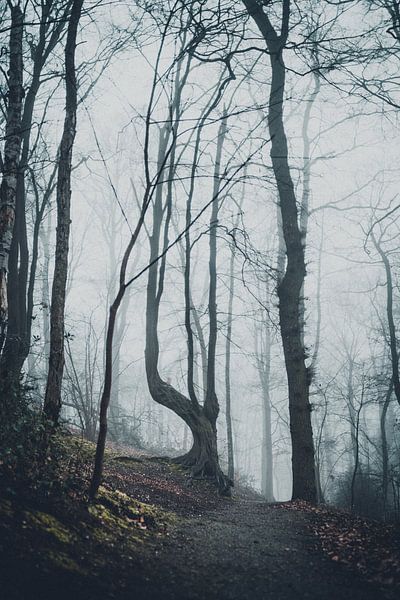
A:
{"x": 247, "y": 550}
{"x": 217, "y": 549}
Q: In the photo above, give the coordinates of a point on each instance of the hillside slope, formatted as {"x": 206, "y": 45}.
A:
{"x": 154, "y": 534}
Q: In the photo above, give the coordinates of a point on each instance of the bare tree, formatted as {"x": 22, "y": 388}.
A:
{"x": 228, "y": 344}
{"x": 11, "y": 157}
{"x": 289, "y": 288}
{"x": 203, "y": 456}
{"x": 52, "y": 401}
{"x": 152, "y": 185}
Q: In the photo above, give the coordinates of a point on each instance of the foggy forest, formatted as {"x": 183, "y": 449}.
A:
{"x": 199, "y": 299}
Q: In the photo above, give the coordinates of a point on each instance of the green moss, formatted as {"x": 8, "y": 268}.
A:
{"x": 105, "y": 536}
{"x": 71, "y": 445}
{"x": 118, "y": 514}
{"x": 128, "y": 459}
{"x": 108, "y": 517}
{"x": 50, "y": 525}
{"x": 130, "y": 508}
{"x": 177, "y": 468}
{"x": 65, "y": 562}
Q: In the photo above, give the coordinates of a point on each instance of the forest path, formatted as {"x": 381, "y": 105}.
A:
{"x": 195, "y": 545}
{"x": 247, "y": 550}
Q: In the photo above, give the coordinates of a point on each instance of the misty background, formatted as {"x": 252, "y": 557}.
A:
{"x": 341, "y": 119}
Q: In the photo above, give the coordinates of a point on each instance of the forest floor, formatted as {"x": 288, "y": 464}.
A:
{"x": 155, "y": 534}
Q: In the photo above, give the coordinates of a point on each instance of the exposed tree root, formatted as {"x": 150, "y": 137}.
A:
{"x": 202, "y": 467}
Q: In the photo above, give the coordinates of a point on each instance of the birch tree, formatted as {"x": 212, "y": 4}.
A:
{"x": 11, "y": 157}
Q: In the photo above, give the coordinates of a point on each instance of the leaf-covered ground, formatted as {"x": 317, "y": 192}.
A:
{"x": 155, "y": 534}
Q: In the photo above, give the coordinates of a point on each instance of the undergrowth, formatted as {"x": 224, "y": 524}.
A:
{"x": 48, "y": 530}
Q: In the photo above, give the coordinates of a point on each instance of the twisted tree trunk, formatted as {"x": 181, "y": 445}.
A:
{"x": 202, "y": 458}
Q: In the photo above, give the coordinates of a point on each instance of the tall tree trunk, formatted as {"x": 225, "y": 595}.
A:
{"x": 19, "y": 260}
{"x": 267, "y": 465}
{"x": 115, "y": 405}
{"x": 105, "y": 398}
{"x": 394, "y": 353}
{"x": 356, "y": 457}
{"x": 307, "y": 163}
{"x": 384, "y": 447}
{"x": 203, "y": 351}
{"x": 189, "y": 304}
{"x": 111, "y": 230}
{"x": 264, "y": 370}
{"x": 263, "y": 342}
{"x": 228, "y": 344}
{"x": 45, "y": 291}
{"x": 228, "y": 400}
{"x": 211, "y": 405}
{"x": 199, "y": 389}
{"x": 203, "y": 456}
{"x": 52, "y": 401}
{"x": 352, "y": 410}
{"x": 289, "y": 288}
{"x": 41, "y": 205}
{"x": 11, "y": 161}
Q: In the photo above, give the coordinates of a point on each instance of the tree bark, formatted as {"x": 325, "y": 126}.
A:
{"x": 105, "y": 398}
{"x": 52, "y": 402}
{"x": 11, "y": 160}
{"x": 384, "y": 446}
{"x": 203, "y": 456}
{"x": 394, "y": 354}
{"x": 228, "y": 399}
{"x": 289, "y": 288}
{"x": 211, "y": 405}
{"x": 356, "y": 457}
{"x": 263, "y": 355}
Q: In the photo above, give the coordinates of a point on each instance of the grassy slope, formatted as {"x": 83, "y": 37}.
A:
{"x": 52, "y": 544}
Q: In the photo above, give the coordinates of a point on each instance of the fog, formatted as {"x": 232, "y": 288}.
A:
{"x": 340, "y": 111}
